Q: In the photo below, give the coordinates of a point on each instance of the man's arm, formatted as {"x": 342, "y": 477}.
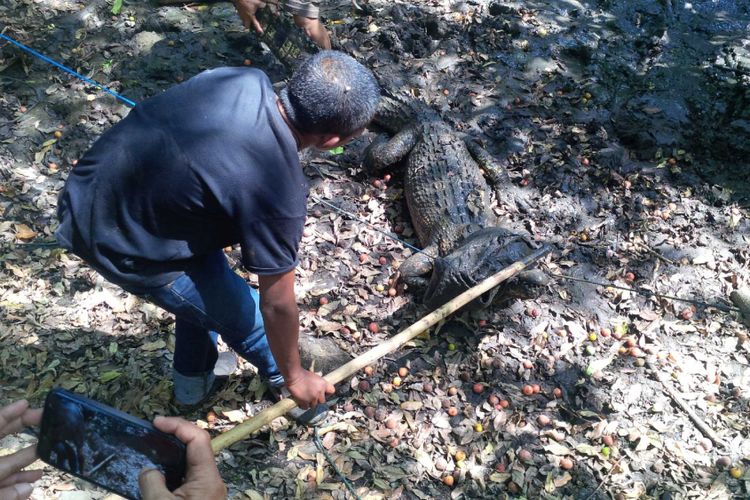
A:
{"x": 247, "y": 9}
{"x": 281, "y": 317}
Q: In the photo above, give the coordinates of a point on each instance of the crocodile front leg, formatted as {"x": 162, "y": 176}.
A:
{"x": 382, "y": 153}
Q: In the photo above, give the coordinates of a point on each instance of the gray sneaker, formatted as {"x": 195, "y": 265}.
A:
{"x": 191, "y": 391}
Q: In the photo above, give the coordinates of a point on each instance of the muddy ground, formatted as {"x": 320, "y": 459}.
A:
{"x": 624, "y": 125}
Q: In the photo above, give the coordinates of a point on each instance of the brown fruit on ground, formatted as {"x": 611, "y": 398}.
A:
{"x": 543, "y": 420}
{"x": 557, "y": 392}
{"x": 448, "y": 480}
{"x": 566, "y": 463}
{"x": 459, "y": 456}
{"x": 369, "y": 370}
{"x": 493, "y": 400}
{"x": 528, "y": 364}
{"x": 524, "y": 455}
{"x": 427, "y": 387}
{"x": 452, "y": 411}
{"x": 323, "y": 301}
{"x": 393, "y": 442}
{"x": 373, "y": 327}
{"x": 403, "y": 371}
{"x": 452, "y": 391}
{"x": 608, "y": 440}
{"x": 527, "y": 390}
{"x": 391, "y": 422}
{"x": 478, "y": 388}
{"x": 364, "y": 386}
{"x": 536, "y": 388}
{"x": 370, "y": 412}
{"x": 504, "y": 403}
{"x": 382, "y": 261}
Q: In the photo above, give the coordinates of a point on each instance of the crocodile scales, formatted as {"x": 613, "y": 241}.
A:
{"x": 448, "y": 200}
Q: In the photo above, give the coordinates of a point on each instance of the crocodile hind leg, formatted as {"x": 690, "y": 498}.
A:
{"x": 506, "y": 193}
{"x": 414, "y": 269}
{"x": 384, "y": 152}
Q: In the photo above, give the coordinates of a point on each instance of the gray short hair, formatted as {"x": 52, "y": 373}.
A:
{"x": 330, "y": 93}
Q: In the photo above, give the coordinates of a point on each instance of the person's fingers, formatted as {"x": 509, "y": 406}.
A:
{"x": 32, "y": 417}
{"x": 153, "y": 485}
{"x": 25, "y": 476}
{"x": 10, "y": 420}
{"x": 330, "y": 389}
{"x": 256, "y": 25}
{"x": 20, "y": 491}
{"x": 197, "y": 440}
{"x": 11, "y": 464}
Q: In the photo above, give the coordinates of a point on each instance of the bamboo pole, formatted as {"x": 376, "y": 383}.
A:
{"x": 341, "y": 373}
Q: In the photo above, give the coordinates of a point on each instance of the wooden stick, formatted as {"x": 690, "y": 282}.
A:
{"x": 699, "y": 423}
{"x": 263, "y": 418}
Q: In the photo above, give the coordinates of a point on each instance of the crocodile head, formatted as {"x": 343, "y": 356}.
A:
{"x": 478, "y": 257}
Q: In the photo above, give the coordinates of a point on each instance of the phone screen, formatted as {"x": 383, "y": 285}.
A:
{"x": 106, "y": 446}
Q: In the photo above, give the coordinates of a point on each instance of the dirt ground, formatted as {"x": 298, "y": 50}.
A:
{"x": 625, "y": 127}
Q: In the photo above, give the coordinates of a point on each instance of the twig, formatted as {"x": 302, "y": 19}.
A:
{"x": 101, "y": 464}
{"x": 660, "y": 256}
{"x": 699, "y": 423}
{"x": 604, "y": 479}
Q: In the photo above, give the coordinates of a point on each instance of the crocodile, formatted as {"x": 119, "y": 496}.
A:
{"x": 448, "y": 200}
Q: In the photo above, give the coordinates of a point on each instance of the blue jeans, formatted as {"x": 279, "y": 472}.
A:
{"x": 208, "y": 301}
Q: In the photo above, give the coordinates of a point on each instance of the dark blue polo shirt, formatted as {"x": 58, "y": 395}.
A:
{"x": 204, "y": 165}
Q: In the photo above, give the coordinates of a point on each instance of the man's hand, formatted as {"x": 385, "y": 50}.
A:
{"x": 202, "y": 481}
{"x": 308, "y": 389}
{"x": 247, "y": 9}
{"x": 15, "y": 484}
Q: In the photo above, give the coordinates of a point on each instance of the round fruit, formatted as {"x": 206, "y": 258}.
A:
{"x": 323, "y": 301}
{"x": 459, "y": 456}
{"x": 504, "y": 403}
{"x": 403, "y": 371}
{"x": 524, "y": 455}
{"x": 605, "y": 332}
{"x": 452, "y": 411}
{"x": 392, "y": 292}
{"x": 452, "y": 391}
{"x": 369, "y": 370}
{"x": 493, "y": 400}
{"x": 478, "y": 427}
{"x": 448, "y": 480}
{"x": 513, "y": 488}
{"x": 382, "y": 261}
{"x": 397, "y": 381}
{"x": 393, "y": 442}
{"x": 482, "y": 323}
{"x": 585, "y": 161}
{"x": 735, "y": 472}
{"x": 566, "y": 463}
{"x": 364, "y": 386}
{"x": 723, "y": 462}
{"x": 57, "y": 134}
{"x": 362, "y": 258}
{"x": 528, "y": 365}
{"x": 500, "y": 467}
{"x": 391, "y": 423}
{"x": 387, "y": 177}
{"x": 478, "y": 388}
{"x": 608, "y": 440}
{"x": 370, "y": 412}
{"x": 377, "y": 183}
{"x": 557, "y": 392}
{"x": 380, "y": 288}
{"x": 592, "y": 337}
{"x": 427, "y": 387}
{"x": 543, "y": 420}
{"x": 629, "y": 277}
{"x": 373, "y": 327}
{"x": 686, "y": 313}
{"x": 451, "y": 346}
{"x": 527, "y": 390}
{"x": 536, "y": 388}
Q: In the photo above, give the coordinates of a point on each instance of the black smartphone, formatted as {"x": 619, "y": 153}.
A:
{"x": 106, "y": 446}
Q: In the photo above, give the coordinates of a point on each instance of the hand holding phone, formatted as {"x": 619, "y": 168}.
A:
{"x": 15, "y": 484}
{"x": 202, "y": 480}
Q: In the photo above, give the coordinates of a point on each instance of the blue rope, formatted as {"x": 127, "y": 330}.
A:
{"x": 68, "y": 70}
